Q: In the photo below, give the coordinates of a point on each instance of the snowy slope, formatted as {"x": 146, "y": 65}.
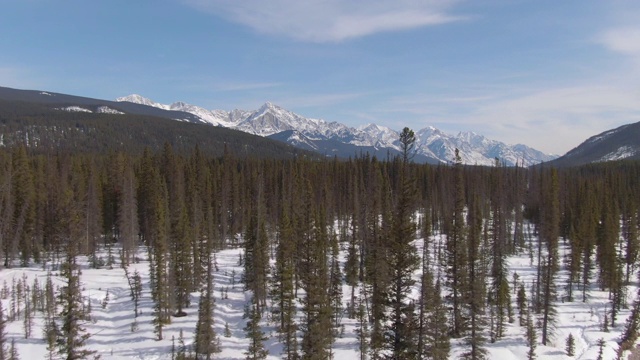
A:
{"x": 270, "y": 120}
{"x": 615, "y": 144}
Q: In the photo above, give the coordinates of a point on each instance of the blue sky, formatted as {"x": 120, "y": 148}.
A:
{"x": 545, "y": 73}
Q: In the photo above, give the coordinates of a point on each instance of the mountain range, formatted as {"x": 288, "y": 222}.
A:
{"x": 333, "y": 138}
{"x": 28, "y": 114}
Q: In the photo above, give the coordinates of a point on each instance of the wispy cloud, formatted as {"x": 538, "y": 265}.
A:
{"x": 625, "y": 40}
{"x": 558, "y": 119}
{"x": 553, "y": 119}
{"x": 330, "y": 20}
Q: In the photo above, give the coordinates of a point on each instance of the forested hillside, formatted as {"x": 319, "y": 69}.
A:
{"x": 414, "y": 261}
{"x": 44, "y": 129}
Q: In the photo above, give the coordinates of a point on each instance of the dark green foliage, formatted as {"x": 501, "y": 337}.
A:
{"x": 283, "y": 294}
{"x": 3, "y": 335}
{"x": 316, "y": 327}
{"x": 456, "y": 252}
{"x": 206, "y": 343}
{"x": 570, "y": 345}
{"x": 549, "y": 234}
{"x": 256, "y": 336}
{"x": 73, "y": 336}
{"x": 531, "y": 337}
{"x": 403, "y": 260}
{"x": 69, "y": 132}
{"x": 601, "y": 344}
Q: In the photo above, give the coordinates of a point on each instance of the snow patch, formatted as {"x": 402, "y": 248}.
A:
{"x": 75, "y": 109}
{"x": 621, "y": 153}
{"x": 108, "y": 110}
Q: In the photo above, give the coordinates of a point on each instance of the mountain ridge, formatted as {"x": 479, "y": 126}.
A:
{"x": 433, "y": 145}
{"x": 621, "y": 143}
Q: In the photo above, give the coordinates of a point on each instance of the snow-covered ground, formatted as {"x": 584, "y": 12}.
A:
{"x": 113, "y": 336}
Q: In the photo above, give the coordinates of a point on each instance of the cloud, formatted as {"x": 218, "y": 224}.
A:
{"x": 556, "y": 120}
{"x": 625, "y": 40}
{"x": 330, "y": 20}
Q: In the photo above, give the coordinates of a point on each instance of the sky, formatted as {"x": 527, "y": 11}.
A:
{"x": 545, "y": 73}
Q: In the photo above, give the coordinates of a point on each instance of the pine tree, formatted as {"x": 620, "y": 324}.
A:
{"x": 521, "y": 299}
{"x": 3, "y": 335}
{"x": 456, "y": 258}
{"x": 73, "y": 336}
{"x": 549, "y": 234}
{"x": 403, "y": 260}
{"x": 13, "y": 351}
{"x": 632, "y": 248}
{"x": 316, "y": 324}
{"x": 181, "y": 263}
{"x": 570, "y": 345}
{"x": 256, "y": 259}
{"x": 335, "y": 286}
{"x": 352, "y": 267}
{"x": 531, "y": 337}
{"x": 160, "y": 288}
{"x": 438, "y": 345}
{"x": 206, "y": 342}
{"x": 283, "y": 295}
{"x": 426, "y": 286}
{"x": 256, "y": 336}
{"x": 24, "y": 208}
{"x": 601, "y": 344}
{"x": 474, "y": 301}
{"x": 128, "y": 215}
{"x": 362, "y": 330}
{"x": 632, "y": 326}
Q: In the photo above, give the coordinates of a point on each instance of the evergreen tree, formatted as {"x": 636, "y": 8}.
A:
{"x": 256, "y": 261}
{"x": 256, "y": 336}
{"x": 316, "y": 324}
{"x": 474, "y": 302}
{"x": 352, "y": 267}
{"x": 160, "y": 284}
{"x": 283, "y": 295}
{"x": 521, "y": 299}
{"x": 206, "y": 342}
{"x": 362, "y": 330}
{"x": 549, "y": 234}
{"x": 13, "y": 351}
{"x": 73, "y": 336}
{"x": 128, "y": 215}
{"x": 570, "y": 345}
{"x": 632, "y": 248}
{"x": 3, "y": 335}
{"x": 601, "y": 344}
{"x": 335, "y": 286}
{"x": 531, "y": 337}
{"x": 456, "y": 258}
{"x": 438, "y": 345}
{"x": 403, "y": 260}
{"x": 630, "y": 333}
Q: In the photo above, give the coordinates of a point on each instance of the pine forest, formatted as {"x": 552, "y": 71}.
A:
{"x": 183, "y": 255}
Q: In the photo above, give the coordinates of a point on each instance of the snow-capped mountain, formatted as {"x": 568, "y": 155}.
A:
{"x": 333, "y": 138}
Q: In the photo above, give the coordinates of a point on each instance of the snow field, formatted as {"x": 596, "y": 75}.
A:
{"x": 113, "y": 335}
